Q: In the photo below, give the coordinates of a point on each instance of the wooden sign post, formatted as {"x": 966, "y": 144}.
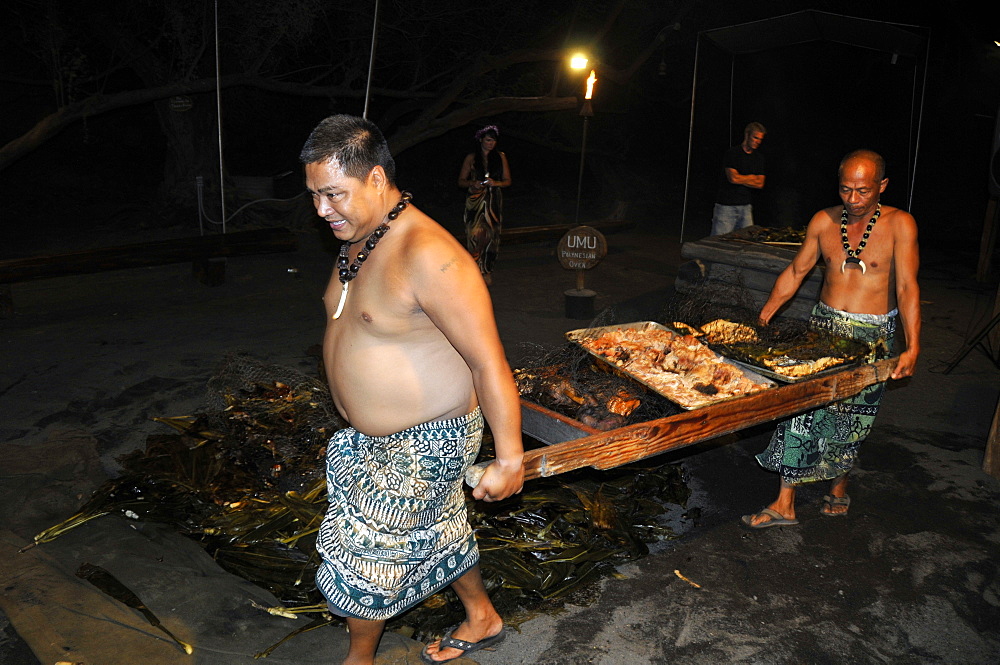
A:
{"x": 581, "y": 249}
{"x": 991, "y": 460}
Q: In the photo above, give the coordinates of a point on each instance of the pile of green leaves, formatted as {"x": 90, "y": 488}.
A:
{"x": 779, "y": 234}
{"x": 565, "y": 532}
{"x": 214, "y": 479}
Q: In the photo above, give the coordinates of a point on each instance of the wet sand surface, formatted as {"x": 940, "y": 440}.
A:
{"x": 910, "y": 576}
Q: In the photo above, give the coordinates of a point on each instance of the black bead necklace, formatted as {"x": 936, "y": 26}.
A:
{"x": 854, "y": 255}
{"x": 347, "y": 272}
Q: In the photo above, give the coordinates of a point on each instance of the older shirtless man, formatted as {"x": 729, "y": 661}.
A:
{"x": 871, "y": 258}
{"x": 415, "y": 364}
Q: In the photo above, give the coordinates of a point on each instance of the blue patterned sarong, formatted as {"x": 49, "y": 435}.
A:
{"x": 396, "y": 530}
{"x": 823, "y": 444}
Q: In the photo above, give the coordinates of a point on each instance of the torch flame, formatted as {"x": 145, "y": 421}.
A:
{"x": 591, "y": 80}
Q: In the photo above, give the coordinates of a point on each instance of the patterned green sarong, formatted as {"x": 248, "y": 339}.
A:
{"x": 483, "y": 223}
{"x": 396, "y": 530}
{"x": 823, "y": 444}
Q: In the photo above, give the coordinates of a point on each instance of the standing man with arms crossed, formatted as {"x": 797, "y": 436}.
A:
{"x": 743, "y": 170}
{"x": 871, "y": 257}
{"x": 415, "y": 364}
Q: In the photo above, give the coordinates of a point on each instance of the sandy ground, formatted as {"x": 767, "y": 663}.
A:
{"x": 911, "y": 576}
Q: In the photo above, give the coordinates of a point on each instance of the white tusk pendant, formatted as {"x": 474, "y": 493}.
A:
{"x": 856, "y": 260}
{"x": 343, "y": 299}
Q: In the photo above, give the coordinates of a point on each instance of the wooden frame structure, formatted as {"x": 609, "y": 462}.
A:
{"x": 203, "y": 252}
{"x": 894, "y": 40}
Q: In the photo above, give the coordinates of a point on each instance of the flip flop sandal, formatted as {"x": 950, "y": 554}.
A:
{"x": 777, "y": 519}
{"x": 829, "y": 501}
{"x": 449, "y": 642}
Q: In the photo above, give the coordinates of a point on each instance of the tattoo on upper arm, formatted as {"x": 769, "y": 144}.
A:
{"x": 448, "y": 265}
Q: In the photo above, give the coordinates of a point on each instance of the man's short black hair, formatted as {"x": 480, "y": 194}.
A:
{"x": 355, "y": 143}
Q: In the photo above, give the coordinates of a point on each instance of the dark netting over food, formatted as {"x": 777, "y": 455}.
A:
{"x": 283, "y": 417}
{"x": 583, "y": 389}
{"x": 710, "y": 300}
{"x": 570, "y": 381}
{"x": 713, "y": 301}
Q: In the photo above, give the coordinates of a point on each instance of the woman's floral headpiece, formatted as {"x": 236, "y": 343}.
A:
{"x": 488, "y": 128}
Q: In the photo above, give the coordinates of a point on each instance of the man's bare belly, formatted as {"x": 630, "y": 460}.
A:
{"x": 382, "y": 388}
{"x": 859, "y": 298}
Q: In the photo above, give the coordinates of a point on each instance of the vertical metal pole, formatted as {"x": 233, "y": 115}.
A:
{"x": 920, "y": 120}
{"x": 579, "y": 183}
{"x": 371, "y": 61}
{"x": 732, "y": 93}
{"x": 687, "y": 171}
{"x": 218, "y": 117}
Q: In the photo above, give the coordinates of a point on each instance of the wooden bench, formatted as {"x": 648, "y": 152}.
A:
{"x": 731, "y": 270}
{"x": 202, "y": 251}
{"x": 546, "y": 232}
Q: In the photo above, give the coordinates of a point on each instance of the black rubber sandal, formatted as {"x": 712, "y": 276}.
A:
{"x": 829, "y": 501}
{"x": 449, "y": 642}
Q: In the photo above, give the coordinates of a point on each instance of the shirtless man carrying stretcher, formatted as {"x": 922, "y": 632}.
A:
{"x": 415, "y": 365}
{"x": 871, "y": 257}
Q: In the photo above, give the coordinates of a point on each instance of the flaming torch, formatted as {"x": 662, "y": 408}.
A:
{"x": 586, "y": 111}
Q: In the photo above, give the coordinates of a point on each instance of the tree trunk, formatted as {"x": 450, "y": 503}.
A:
{"x": 192, "y": 150}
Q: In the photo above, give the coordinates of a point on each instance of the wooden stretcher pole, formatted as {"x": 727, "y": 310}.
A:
{"x": 991, "y": 459}
{"x": 607, "y": 450}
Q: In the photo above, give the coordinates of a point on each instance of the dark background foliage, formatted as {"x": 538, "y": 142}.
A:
{"x": 442, "y": 70}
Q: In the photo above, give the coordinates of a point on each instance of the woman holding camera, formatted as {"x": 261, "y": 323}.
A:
{"x": 483, "y": 173}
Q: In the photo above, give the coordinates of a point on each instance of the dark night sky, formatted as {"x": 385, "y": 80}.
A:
{"x": 818, "y": 100}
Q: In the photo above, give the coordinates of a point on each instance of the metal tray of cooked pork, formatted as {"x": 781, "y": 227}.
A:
{"x": 804, "y": 356}
{"x": 785, "y": 354}
{"x": 734, "y": 357}
{"x": 689, "y": 374}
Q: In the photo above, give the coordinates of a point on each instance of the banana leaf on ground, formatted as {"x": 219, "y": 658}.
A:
{"x": 244, "y": 479}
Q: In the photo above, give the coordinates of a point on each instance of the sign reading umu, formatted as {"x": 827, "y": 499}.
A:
{"x": 582, "y": 248}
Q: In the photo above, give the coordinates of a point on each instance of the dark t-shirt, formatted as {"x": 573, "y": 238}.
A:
{"x": 752, "y": 164}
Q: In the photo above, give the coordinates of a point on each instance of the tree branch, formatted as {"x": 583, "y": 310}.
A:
{"x": 416, "y": 133}
{"x": 439, "y": 110}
